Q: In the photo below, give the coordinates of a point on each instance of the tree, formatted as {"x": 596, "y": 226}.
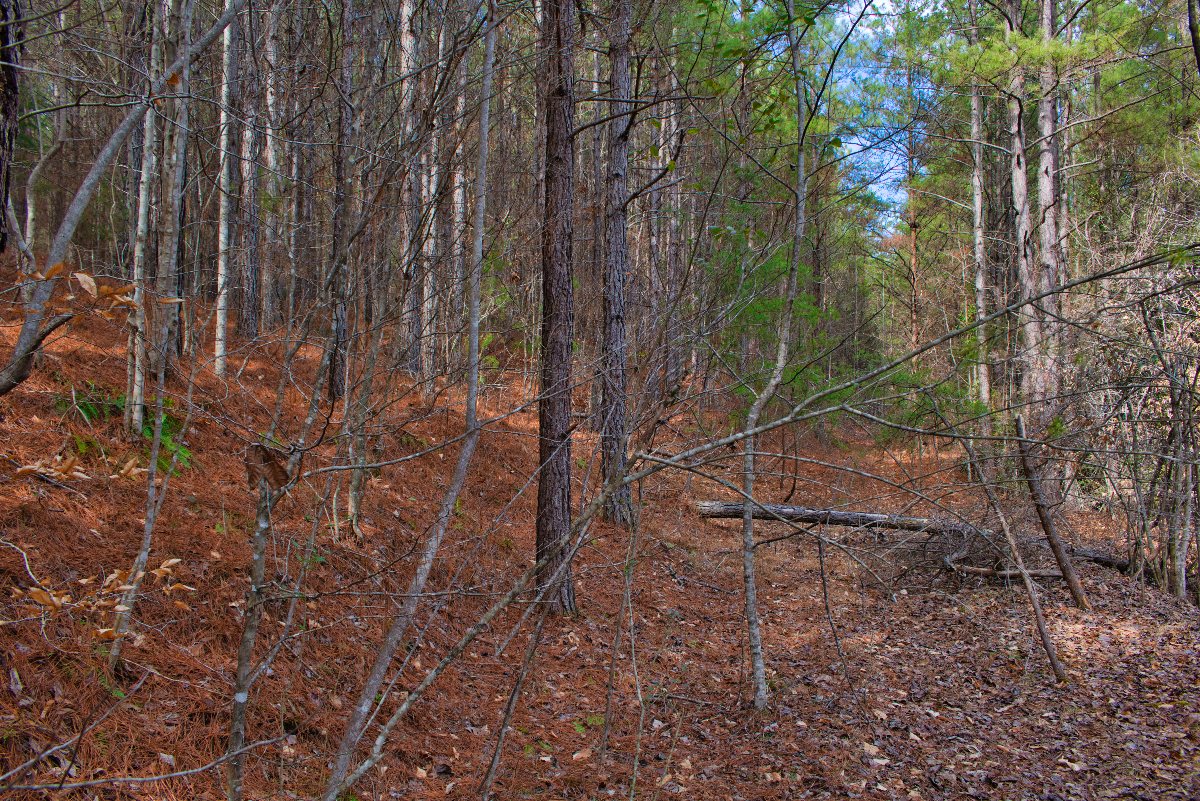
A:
{"x": 554, "y": 403}
{"x": 614, "y": 417}
{"x": 11, "y": 35}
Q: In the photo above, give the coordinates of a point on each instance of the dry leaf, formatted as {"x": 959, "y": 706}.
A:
{"x": 266, "y": 464}
{"x": 116, "y": 290}
{"x": 41, "y": 596}
{"x": 124, "y": 300}
{"x": 88, "y": 283}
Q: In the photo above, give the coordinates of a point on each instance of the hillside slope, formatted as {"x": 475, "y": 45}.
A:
{"x": 937, "y": 691}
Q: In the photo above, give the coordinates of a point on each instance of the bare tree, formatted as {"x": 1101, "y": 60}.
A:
{"x": 764, "y": 395}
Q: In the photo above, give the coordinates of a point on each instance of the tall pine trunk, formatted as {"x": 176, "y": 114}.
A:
{"x": 614, "y": 416}
{"x": 554, "y": 404}
{"x": 1033, "y": 378}
{"x": 225, "y": 185}
{"x": 983, "y": 382}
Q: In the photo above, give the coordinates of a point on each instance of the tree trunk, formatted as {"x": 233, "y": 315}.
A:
{"x": 1050, "y": 273}
{"x": 273, "y": 163}
{"x": 225, "y": 200}
{"x": 249, "y": 310}
{"x": 554, "y": 404}
{"x": 1033, "y": 376}
{"x": 1037, "y": 493}
{"x": 614, "y": 416}
{"x": 12, "y": 34}
{"x": 1193, "y": 12}
{"x": 342, "y": 156}
{"x": 170, "y": 228}
{"x": 135, "y": 391}
{"x": 253, "y": 613}
{"x": 983, "y": 378}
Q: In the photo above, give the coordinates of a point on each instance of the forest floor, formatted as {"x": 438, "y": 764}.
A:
{"x": 933, "y": 689}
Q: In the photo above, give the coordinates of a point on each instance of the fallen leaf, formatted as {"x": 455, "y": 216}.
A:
{"x": 87, "y": 282}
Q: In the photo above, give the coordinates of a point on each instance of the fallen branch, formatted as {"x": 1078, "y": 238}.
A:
{"x": 1101, "y": 558}
{"x": 835, "y": 517}
{"x": 1008, "y": 573}
{"x": 1094, "y": 555}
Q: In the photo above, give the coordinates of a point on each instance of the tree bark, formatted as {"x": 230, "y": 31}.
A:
{"x": 135, "y": 391}
{"x": 614, "y": 416}
{"x": 12, "y": 35}
{"x": 1033, "y": 376}
{"x": 249, "y": 308}
{"x": 983, "y": 382}
{"x": 225, "y": 191}
{"x": 170, "y": 229}
{"x": 1050, "y": 272}
{"x": 554, "y": 403}
{"x": 342, "y": 169}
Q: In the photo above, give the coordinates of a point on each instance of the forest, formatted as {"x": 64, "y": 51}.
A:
{"x": 515, "y": 399}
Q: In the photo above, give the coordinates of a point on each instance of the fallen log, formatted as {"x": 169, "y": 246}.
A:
{"x": 1101, "y": 558}
{"x": 875, "y": 520}
{"x": 1007, "y": 573}
{"x": 834, "y": 517}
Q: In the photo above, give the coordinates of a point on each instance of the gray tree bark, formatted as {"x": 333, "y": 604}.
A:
{"x": 1033, "y": 377}
{"x": 983, "y": 379}
{"x": 1050, "y": 266}
{"x": 225, "y": 184}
